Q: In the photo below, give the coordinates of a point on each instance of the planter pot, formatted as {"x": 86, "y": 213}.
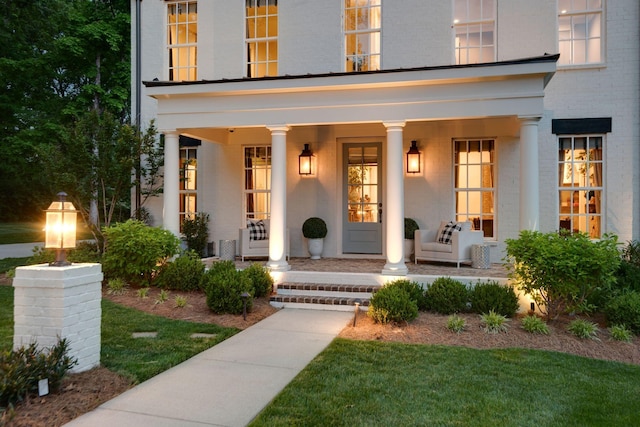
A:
{"x": 408, "y": 249}
{"x": 315, "y": 248}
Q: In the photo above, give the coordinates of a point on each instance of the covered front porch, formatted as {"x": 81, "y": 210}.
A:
{"x": 499, "y": 100}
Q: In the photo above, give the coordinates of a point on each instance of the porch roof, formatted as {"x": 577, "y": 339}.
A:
{"x": 497, "y": 89}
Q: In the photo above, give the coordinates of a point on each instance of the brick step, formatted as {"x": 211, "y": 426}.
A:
{"x": 322, "y": 296}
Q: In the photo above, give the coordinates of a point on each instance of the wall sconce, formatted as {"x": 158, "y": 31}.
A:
{"x": 304, "y": 161}
{"x": 413, "y": 159}
{"x": 60, "y": 229}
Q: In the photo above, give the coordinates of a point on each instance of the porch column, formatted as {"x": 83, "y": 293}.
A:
{"x": 278, "y": 221}
{"x": 393, "y": 208}
{"x": 171, "y": 193}
{"x": 529, "y": 174}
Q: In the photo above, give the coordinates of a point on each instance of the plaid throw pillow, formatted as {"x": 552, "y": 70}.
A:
{"x": 257, "y": 230}
{"x": 445, "y": 234}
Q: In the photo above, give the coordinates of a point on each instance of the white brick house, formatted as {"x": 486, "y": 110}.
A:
{"x": 511, "y": 135}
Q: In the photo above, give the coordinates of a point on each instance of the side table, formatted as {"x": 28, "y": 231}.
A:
{"x": 481, "y": 256}
{"x": 227, "y": 249}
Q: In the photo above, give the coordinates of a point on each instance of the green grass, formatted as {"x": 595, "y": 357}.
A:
{"x": 6, "y": 318}
{"x": 29, "y": 232}
{"x": 382, "y": 384}
{"x": 7, "y": 264}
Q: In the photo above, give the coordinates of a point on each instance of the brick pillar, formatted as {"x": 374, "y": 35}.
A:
{"x": 60, "y": 302}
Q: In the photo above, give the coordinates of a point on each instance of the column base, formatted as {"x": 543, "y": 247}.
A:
{"x": 395, "y": 269}
{"x": 278, "y": 265}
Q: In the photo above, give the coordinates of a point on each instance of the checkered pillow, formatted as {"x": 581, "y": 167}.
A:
{"x": 257, "y": 230}
{"x": 445, "y": 233}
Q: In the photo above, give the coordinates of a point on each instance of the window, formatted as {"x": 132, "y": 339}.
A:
{"x": 182, "y": 40}
{"x": 262, "y": 38}
{"x": 188, "y": 183}
{"x": 580, "y": 184}
{"x": 474, "y": 184}
{"x": 474, "y": 25}
{"x": 580, "y": 31}
{"x": 257, "y": 182}
{"x": 362, "y": 22}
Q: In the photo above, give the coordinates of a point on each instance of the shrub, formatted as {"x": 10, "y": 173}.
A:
{"x": 494, "y": 322}
{"x": 628, "y": 276}
{"x": 23, "y": 368}
{"x": 314, "y": 228}
{"x": 180, "y": 301}
{"x": 631, "y": 253}
{"x": 583, "y": 329}
{"x": 446, "y": 296}
{"x": 116, "y": 287}
{"x": 456, "y": 323}
{"x": 85, "y": 251}
{"x": 410, "y": 227}
{"x": 135, "y": 252}
{"x": 392, "y": 304}
{"x": 624, "y": 309}
{"x": 488, "y": 296}
{"x": 621, "y": 333}
{"x": 534, "y": 325}
{"x": 182, "y": 274}
{"x": 260, "y": 279}
{"x": 415, "y": 291}
{"x": 196, "y": 232}
{"x": 224, "y": 288}
{"x": 561, "y": 271}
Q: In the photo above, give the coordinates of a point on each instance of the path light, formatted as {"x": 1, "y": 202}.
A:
{"x": 60, "y": 229}
{"x": 244, "y": 296}
{"x": 413, "y": 158}
{"x": 355, "y": 315}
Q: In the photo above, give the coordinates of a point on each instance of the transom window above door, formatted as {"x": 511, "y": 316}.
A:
{"x": 362, "y": 25}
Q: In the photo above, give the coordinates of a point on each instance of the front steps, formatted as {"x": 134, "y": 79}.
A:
{"x": 323, "y": 296}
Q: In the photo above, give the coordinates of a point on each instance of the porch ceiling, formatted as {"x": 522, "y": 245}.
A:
{"x": 510, "y": 88}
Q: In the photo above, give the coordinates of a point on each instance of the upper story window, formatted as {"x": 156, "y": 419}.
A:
{"x": 580, "y": 31}
{"x": 474, "y": 162}
{"x": 182, "y": 39}
{"x": 474, "y": 25}
{"x": 362, "y": 23}
{"x": 580, "y": 183}
{"x": 262, "y": 38}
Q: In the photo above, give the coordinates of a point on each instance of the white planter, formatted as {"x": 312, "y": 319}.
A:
{"x": 315, "y": 248}
{"x": 408, "y": 249}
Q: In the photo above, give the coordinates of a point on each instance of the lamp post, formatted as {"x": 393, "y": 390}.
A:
{"x": 60, "y": 229}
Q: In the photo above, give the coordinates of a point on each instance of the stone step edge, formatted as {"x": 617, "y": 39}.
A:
{"x": 328, "y": 287}
{"x": 309, "y": 299}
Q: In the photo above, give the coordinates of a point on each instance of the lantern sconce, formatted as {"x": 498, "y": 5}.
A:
{"x": 60, "y": 229}
{"x": 414, "y": 159}
{"x": 305, "y": 160}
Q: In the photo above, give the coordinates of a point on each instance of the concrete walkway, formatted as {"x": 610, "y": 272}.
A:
{"x": 229, "y": 384}
{"x": 18, "y": 250}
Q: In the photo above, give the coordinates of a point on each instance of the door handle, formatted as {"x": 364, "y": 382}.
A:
{"x": 380, "y": 213}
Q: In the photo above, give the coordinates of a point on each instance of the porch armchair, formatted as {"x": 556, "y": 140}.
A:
{"x": 447, "y": 244}
{"x": 254, "y": 240}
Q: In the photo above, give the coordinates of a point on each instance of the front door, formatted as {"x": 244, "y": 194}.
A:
{"x": 362, "y": 204}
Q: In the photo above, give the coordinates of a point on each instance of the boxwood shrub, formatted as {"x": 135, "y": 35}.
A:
{"x": 624, "y": 309}
{"x": 260, "y": 279}
{"x": 224, "y": 286}
{"x": 446, "y": 296}
{"x": 182, "y": 274}
{"x": 392, "y": 304}
{"x": 492, "y": 296}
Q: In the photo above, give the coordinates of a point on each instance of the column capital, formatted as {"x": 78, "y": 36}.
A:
{"x": 529, "y": 119}
{"x": 278, "y": 129}
{"x": 394, "y": 124}
{"x": 169, "y": 132}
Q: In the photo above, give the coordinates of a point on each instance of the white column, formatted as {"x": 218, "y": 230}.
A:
{"x": 278, "y": 222}
{"x": 393, "y": 208}
{"x": 529, "y": 174}
{"x": 171, "y": 193}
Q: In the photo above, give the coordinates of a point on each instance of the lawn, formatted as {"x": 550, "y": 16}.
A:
{"x": 382, "y": 384}
{"x": 29, "y": 232}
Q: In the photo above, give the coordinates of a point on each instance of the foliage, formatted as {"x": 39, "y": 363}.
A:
{"x": 631, "y": 253}
{"x": 224, "y": 288}
{"x": 621, "y": 333}
{"x": 85, "y": 251}
{"x": 583, "y": 329}
{"x": 260, "y": 279}
{"x": 314, "y": 228}
{"x": 23, "y": 368}
{"x": 196, "y": 232}
{"x": 624, "y": 309}
{"x": 182, "y": 274}
{"x": 627, "y": 276}
{"x": 446, "y": 296}
{"x": 494, "y": 322}
{"x": 392, "y": 304}
{"x": 561, "y": 271}
{"x": 455, "y": 323}
{"x": 534, "y": 325}
{"x": 410, "y": 227}
{"x": 180, "y": 301}
{"x": 116, "y": 286}
{"x": 136, "y": 252}
{"x": 163, "y": 296}
{"x": 491, "y": 295}
{"x": 143, "y": 293}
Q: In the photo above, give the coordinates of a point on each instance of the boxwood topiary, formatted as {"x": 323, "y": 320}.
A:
{"x": 446, "y": 296}
{"x": 392, "y": 304}
{"x": 224, "y": 288}
{"x": 314, "y": 228}
{"x": 414, "y": 290}
{"x": 260, "y": 279}
{"x": 492, "y": 296}
{"x": 410, "y": 227}
{"x": 182, "y": 274}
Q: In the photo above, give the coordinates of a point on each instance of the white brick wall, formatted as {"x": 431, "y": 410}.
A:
{"x": 52, "y": 303}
